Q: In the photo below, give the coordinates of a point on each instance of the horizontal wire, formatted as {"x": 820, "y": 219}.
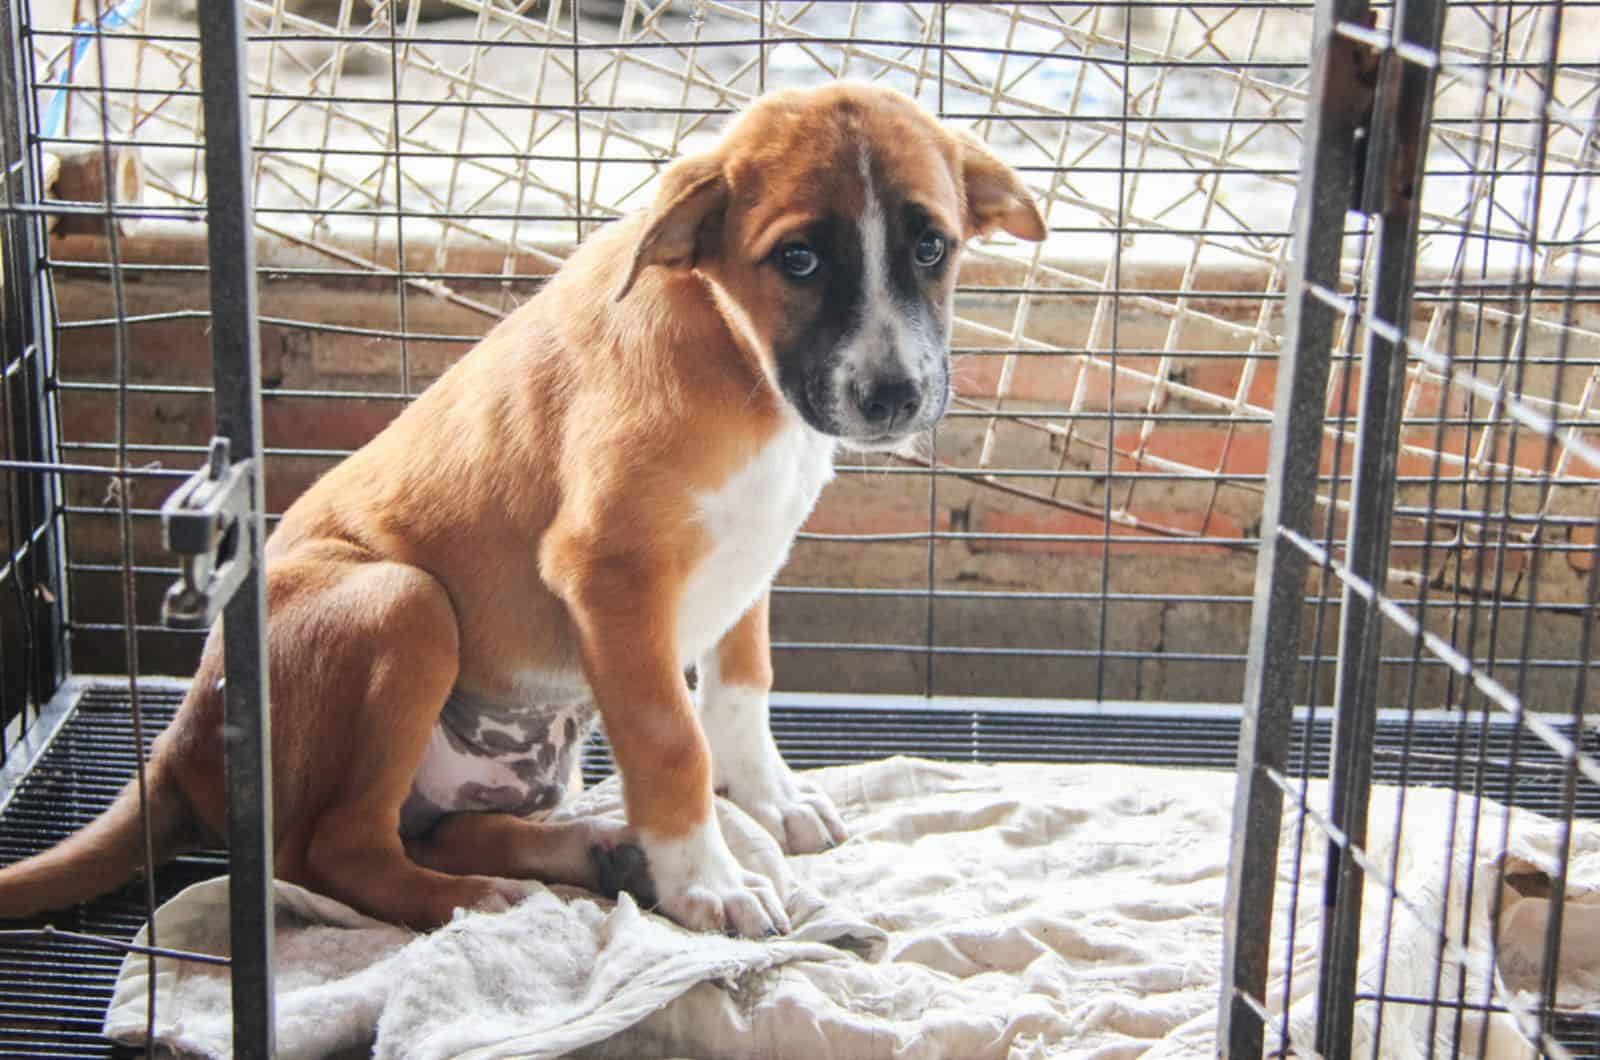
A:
{"x": 49, "y": 932}
{"x": 1497, "y": 395}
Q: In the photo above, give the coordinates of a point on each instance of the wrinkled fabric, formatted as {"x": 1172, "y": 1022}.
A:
{"x": 1011, "y": 911}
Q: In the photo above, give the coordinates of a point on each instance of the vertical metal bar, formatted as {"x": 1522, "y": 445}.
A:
{"x": 1122, "y": 233}
{"x": 930, "y": 655}
{"x": 1548, "y": 995}
{"x": 236, "y": 359}
{"x": 1469, "y": 624}
{"x": 1310, "y": 727}
{"x": 400, "y": 265}
{"x": 577, "y": 123}
{"x": 125, "y": 532}
{"x": 27, "y": 337}
{"x": 1327, "y": 165}
{"x": 1395, "y": 156}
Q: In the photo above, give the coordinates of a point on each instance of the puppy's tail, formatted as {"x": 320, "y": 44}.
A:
{"x": 104, "y": 854}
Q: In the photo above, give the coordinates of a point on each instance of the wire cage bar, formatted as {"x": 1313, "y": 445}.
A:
{"x": 1401, "y": 104}
{"x": 1270, "y": 684}
{"x": 35, "y": 618}
{"x": 236, "y": 356}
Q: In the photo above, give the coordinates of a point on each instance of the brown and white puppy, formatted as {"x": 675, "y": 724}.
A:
{"x": 595, "y": 497}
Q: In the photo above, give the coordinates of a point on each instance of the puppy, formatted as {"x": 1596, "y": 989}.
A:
{"x": 594, "y": 498}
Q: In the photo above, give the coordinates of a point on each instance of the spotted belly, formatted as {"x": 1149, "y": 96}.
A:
{"x": 489, "y": 756}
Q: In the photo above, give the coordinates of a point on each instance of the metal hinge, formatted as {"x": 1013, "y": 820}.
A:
{"x": 1390, "y": 122}
{"x": 1356, "y": 92}
{"x": 203, "y": 523}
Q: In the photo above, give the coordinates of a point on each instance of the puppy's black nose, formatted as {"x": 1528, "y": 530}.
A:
{"x": 889, "y": 403}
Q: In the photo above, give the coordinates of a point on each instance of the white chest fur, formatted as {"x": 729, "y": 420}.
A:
{"x": 751, "y": 521}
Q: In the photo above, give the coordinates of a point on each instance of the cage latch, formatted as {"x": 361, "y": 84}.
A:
{"x": 202, "y": 522}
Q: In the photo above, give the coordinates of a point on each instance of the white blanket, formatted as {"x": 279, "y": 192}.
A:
{"x": 977, "y": 912}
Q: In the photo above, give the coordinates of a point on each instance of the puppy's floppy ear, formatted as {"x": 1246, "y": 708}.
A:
{"x": 996, "y": 197}
{"x": 693, "y": 195}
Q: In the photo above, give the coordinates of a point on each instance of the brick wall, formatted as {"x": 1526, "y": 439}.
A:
{"x": 1177, "y": 556}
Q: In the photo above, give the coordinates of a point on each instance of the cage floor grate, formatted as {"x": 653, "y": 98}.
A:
{"x": 53, "y": 993}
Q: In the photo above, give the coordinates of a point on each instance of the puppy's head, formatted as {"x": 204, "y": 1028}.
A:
{"x": 828, "y": 226}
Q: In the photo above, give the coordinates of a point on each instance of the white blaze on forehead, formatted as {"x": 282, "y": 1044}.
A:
{"x": 883, "y": 341}
{"x": 874, "y": 247}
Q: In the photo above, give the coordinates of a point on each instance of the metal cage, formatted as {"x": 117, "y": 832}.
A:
{"x": 1282, "y": 453}
{"x": 1376, "y": 94}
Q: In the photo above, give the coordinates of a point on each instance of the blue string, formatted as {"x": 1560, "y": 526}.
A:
{"x": 117, "y": 17}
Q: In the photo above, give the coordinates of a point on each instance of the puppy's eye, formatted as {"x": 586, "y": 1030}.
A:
{"x": 798, "y": 260}
{"x": 930, "y": 250}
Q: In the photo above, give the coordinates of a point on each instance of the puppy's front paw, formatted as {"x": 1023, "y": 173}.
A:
{"x": 743, "y": 903}
{"x": 798, "y": 814}
{"x": 699, "y": 884}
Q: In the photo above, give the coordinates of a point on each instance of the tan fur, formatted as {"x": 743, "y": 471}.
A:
{"x": 532, "y": 512}
{"x": 744, "y": 654}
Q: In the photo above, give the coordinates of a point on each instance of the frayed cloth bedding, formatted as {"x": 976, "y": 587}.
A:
{"x": 977, "y": 912}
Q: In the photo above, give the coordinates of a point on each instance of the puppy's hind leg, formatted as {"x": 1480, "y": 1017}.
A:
{"x": 597, "y": 853}
{"x": 392, "y": 657}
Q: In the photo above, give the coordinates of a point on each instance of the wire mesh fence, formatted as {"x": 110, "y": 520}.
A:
{"x": 1431, "y": 923}
{"x": 1083, "y": 523}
